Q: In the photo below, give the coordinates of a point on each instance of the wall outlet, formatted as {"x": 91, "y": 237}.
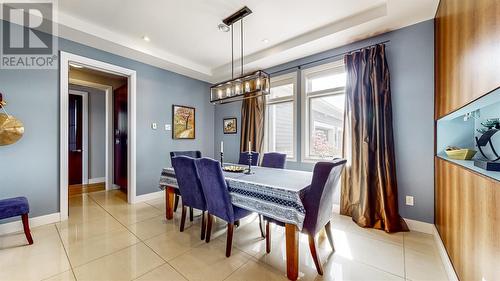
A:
{"x": 409, "y": 200}
{"x": 154, "y": 126}
{"x": 168, "y": 127}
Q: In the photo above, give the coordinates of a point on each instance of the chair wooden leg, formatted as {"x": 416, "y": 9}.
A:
{"x": 203, "y": 225}
{"x": 26, "y": 227}
{"x": 328, "y": 230}
{"x": 314, "y": 253}
{"x": 261, "y": 227}
{"x": 229, "y": 242}
{"x": 183, "y": 217}
{"x": 191, "y": 216}
{"x": 209, "y": 227}
{"x": 268, "y": 237}
{"x": 176, "y": 202}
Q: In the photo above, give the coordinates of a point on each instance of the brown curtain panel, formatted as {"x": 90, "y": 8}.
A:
{"x": 369, "y": 186}
{"x": 252, "y": 123}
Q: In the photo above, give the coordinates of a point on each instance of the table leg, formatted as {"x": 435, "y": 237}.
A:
{"x": 169, "y": 202}
{"x": 292, "y": 251}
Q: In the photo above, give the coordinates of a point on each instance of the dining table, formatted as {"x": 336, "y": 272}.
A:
{"x": 274, "y": 193}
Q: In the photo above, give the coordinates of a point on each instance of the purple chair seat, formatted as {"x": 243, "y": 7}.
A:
{"x": 190, "y": 189}
{"x": 317, "y": 199}
{"x": 18, "y": 206}
{"x": 188, "y": 153}
{"x": 218, "y": 199}
{"x": 274, "y": 160}
{"x": 13, "y": 207}
{"x": 240, "y": 213}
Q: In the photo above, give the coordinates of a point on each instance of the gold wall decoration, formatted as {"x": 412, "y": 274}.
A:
{"x": 11, "y": 129}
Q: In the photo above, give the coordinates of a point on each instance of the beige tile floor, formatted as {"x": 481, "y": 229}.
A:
{"x": 107, "y": 239}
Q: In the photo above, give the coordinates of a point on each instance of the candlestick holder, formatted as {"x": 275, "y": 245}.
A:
{"x": 249, "y": 171}
{"x": 222, "y": 159}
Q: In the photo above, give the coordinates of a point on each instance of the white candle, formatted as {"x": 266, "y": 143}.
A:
{"x": 249, "y": 146}
{"x": 222, "y": 147}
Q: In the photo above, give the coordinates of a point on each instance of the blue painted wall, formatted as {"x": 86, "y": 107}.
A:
{"x": 31, "y": 166}
{"x": 410, "y": 54}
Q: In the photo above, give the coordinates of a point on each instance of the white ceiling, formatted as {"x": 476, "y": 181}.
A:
{"x": 185, "y": 39}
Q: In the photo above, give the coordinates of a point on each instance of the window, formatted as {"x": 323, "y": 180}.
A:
{"x": 323, "y": 102}
{"x": 280, "y": 115}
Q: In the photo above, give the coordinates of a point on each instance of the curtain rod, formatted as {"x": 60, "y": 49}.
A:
{"x": 327, "y": 58}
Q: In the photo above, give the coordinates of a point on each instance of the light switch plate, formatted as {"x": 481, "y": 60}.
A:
{"x": 154, "y": 126}
{"x": 168, "y": 127}
{"x": 409, "y": 200}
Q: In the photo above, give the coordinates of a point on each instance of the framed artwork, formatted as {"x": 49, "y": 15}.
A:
{"x": 230, "y": 125}
{"x": 183, "y": 120}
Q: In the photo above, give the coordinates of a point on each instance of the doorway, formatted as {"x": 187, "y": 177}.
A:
{"x": 78, "y": 138}
{"x": 120, "y": 167}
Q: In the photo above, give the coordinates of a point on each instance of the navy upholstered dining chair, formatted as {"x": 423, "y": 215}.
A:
{"x": 192, "y": 154}
{"x": 244, "y": 158}
{"x": 190, "y": 189}
{"x": 274, "y": 160}
{"x": 318, "y": 203}
{"x": 218, "y": 199}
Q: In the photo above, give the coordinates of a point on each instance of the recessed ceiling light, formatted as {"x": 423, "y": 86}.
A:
{"x": 265, "y": 41}
{"x": 222, "y": 27}
{"x": 146, "y": 38}
{"x": 75, "y": 65}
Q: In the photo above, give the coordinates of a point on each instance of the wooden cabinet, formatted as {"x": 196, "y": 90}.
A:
{"x": 467, "y": 67}
{"x": 468, "y": 220}
{"x": 467, "y": 38}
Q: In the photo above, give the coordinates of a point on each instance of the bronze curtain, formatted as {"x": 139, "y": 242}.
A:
{"x": 369, "y": 186}
{"x": 252, "y": 123}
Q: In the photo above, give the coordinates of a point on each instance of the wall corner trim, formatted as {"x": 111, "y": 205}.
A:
{"x": 149, "y": 196}
{"x": 16, "y": 226}
{"x": 420, "y": 226}
{"x": 448, "y": 266}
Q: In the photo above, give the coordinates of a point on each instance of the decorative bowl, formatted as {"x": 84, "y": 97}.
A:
{"x": 234, "y": 169}
{"x": 461, "y": 154}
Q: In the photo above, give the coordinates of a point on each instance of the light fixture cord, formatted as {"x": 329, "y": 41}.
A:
{"x": 232, "y": 52}
{"x": 242, "y": 47}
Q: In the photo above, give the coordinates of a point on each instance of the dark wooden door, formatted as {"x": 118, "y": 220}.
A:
{"x": 120, "y": 121}
{"x": 75, "y": 134}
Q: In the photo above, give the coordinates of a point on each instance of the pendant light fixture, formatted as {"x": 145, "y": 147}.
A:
{"x": 246, "y": 86}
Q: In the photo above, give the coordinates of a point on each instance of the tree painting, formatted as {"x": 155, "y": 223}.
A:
{"x": 183, "y": 122}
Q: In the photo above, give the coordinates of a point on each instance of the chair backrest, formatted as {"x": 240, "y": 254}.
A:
{"x": 215, "y": 189}
{"x": 189, "y": 153}
{"x": 189, "y": 182}
{"x": 244, "y": 158}
{"x": 318, "y": 198}
{"x": 274, "y": 160}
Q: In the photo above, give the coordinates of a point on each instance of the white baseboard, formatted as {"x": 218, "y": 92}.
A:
{"x": 420, "y": 226}
{"x": 149, "y": 196}
{"x": 448, "y": 267}
{"x": 97, "y": 180}
{"x": 16, "y": 226}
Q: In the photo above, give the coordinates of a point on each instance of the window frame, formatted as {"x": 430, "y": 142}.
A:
{"x": 306, "y": 104}
{"x": 284, "y": 79}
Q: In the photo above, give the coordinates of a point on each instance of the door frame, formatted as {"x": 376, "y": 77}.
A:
{"x": 85, "y": 133}
{"x": 108, "y": 93}
{"x": 65, "y": 59}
